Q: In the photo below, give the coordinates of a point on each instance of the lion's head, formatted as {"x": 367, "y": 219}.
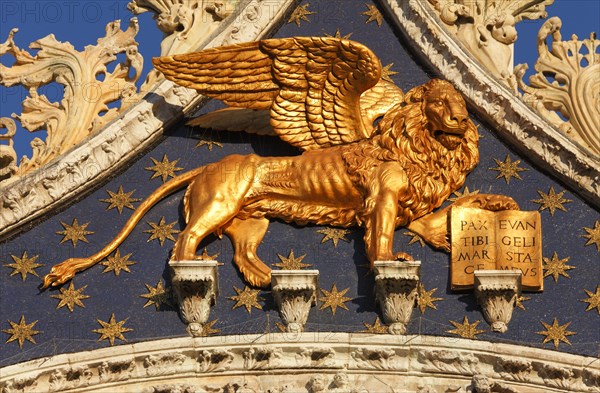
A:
{"x": 444, "y": 111}
{"x": 431, "y": 136}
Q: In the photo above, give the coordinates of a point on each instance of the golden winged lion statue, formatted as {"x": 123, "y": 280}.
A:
{"x": 323, "y": 95}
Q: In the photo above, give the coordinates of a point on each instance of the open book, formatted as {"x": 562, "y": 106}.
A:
{"x": 502, "y": 240}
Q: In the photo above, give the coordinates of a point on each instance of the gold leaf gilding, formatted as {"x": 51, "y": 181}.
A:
{"x": 375, "y": 328}
{"x": 593, "y": 299}
{"x": 112, "y": 329}
{"x": 300, "y": 14}
{"x": 593, "y": 235}
{"x": 555, "y": 267}
{"x": 291, "y": 262}
{"x": 74, "y": 232}
{"x": 247, "y": 298}
{"x": 334, "y": 234}
{"x": 120, "y": 200}
{"x": 426, "y": 299}
{"x": 70, "y": 297}
{"x": 21, "y": 331}
{"x": 157, "y": 295}
{"x": 24, "y": 265}
{"x": 466, "y": 329}
{"x": 556, "y": 333}
{"x": 508, "y": 169}
{"x": 334, "y": 299}
{"x": 373, "y": 14}
{"x": 551, "y": 201}
{"x": 161, "y": 231}
{"x": 116, "y": 263}
{"x": 163, "y": 169}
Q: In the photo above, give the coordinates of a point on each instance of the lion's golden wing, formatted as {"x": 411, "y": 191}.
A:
{"x": 311, "y": 85}
{"x": 374, "y": 103}
{"x": 377, "y": 101}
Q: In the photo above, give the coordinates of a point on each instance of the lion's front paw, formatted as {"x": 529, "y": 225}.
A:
{"x": 493, "y": 202}
{"x": 439, "y": 241}
{"x": 500, "y": 202}
{"x": 61, "y": 273}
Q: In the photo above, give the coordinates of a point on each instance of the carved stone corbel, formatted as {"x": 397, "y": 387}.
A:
{"x": 497, "y": 292}
{"x": 295, "y": 292}
{"x": 196, "y": 286}
{"x": 396, "y": 292}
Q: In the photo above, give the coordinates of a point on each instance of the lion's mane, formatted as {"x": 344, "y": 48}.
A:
{"x": 433, "y": 171}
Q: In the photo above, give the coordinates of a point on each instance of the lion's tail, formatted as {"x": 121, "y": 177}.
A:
{"x": 78, "y": 264}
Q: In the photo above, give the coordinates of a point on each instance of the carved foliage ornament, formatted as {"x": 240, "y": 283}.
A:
{"x": 89, "y": 86}
{"x": 184, "y": 22}
{"x": 487, "y": 28}
{"x": 513, "y": 119}
{"x": 339, "y": 364}
{"x": 90, "y": 163}
{"x": 567, "y": 82}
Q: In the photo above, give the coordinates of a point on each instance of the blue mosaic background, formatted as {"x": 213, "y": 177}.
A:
{"x": 62, "y": 331}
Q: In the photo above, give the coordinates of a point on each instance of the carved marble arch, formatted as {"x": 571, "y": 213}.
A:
{"x": 284, "y": 363}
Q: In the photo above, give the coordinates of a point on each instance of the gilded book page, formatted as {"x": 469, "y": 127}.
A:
{"x": 519, "y": 237}
{"x": 473, "y": 244}
{"x": 504, "y": 240}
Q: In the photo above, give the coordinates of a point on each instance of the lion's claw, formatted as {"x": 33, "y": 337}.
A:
{"x": 440, "y": 241}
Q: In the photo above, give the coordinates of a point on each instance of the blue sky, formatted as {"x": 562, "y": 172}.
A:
{"x": 83, "y": 22}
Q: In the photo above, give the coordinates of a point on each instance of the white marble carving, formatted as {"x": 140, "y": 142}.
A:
{"x": 262, "y": 358}
{"x": 165, "y": 364}
{"x": 445, "y": 361}
{"x": 514, "y": 121}
{"x": 376, "y": 358}
{"x": 268, "y": 363}
{"x": 196, "y": 287}
{"x": 184, "y": 22}
{"x": 497, "y": 292}
{"x": 8, "y": 155}
{"x": 483, "y": 384}
{"x": 116, "y": 370}
{"x": 61, "y": 380}
{"x": 566, "y": 82}
{"x": 86, "y": 97}
{"x": 294, "y": 292}
{"x": 487, "y": 29}
{"x": 396, "y": 292}
{"x": 317, "y": 357}
{"x": 214, "y": 360}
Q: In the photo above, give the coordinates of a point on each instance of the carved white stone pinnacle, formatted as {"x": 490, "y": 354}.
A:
{"x": 497, "y": 292}
{"x": 295, "y": 293}
{"x": 396, "y": 292}
{"x": 196, "y": 286}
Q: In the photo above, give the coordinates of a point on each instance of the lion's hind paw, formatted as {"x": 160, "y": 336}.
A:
{"x": 402, "y": 256}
